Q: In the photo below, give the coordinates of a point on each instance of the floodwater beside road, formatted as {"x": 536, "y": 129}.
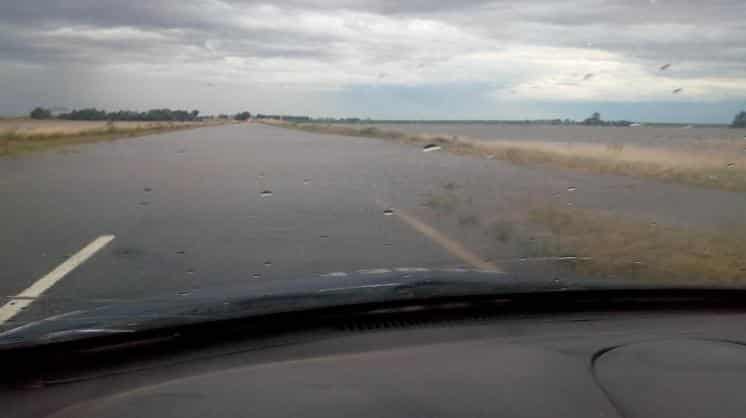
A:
{"x": 648, "y": 136}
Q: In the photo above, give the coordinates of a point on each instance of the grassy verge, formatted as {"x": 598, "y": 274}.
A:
{"x": 17, "y": 142}
{"x": 722, "y": 172}
{"x": 624, "y": 248}
{"x": 665, "y": 165}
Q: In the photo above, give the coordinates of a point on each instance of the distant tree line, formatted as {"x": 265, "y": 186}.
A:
{"x": 41, "y": 113}
{"x": 739, "y": 121}
{"x": 128, "y": 115}
{"x": 151, "y": 115}
{"x": 242, "y": 116}
{"x": 595, "y": 120}
{"x": 120, "y": 115}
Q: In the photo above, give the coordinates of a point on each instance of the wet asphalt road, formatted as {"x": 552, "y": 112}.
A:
{"x": 190, "y": 209}
{"x": 240, "y": 203}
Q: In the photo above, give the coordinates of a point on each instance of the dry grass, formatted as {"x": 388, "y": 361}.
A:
{"x": 720, "y": 170}
{"x": 625, "y": 248}
{"x": 708, "y": 170}
{"x": 445, "y": 203}
{"x": 19, "y": 136}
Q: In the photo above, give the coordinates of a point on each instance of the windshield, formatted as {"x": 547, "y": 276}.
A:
{"x": 158, "y": 149}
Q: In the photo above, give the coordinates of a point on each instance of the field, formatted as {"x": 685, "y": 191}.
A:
{"x": 19, "y": 136}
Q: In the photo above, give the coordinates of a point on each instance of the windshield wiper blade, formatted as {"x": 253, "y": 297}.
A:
{"x": 365, "y": 287}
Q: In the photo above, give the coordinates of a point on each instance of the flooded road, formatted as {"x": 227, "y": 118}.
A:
{"x": 243, "y": 203}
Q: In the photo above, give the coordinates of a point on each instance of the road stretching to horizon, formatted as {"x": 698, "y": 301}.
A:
{"x": 243, "y": 203}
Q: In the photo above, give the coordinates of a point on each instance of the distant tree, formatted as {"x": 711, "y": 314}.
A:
{"x": 242, "y": 116}
{"x": 85, "y": 114}
{"x": 595, "y": 119}
{"x": 41, "y": 113}
{"x": 740, "y": 120}
{"x": 158, "y": 114}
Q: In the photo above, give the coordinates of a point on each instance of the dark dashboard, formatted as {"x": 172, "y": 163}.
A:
{"x": 638, "y": 363}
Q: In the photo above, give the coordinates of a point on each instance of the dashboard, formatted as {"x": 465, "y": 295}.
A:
{"x": 591, "y": 364}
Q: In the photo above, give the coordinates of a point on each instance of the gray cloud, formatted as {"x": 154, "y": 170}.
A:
{"x": 644, "y": 29}
{"x": 315, "y": 42}
{"x": 641, "y": 28}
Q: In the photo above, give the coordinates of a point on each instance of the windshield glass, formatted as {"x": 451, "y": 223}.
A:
{"x": 157, "y": 149}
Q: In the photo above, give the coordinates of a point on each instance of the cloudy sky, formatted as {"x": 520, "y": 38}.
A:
{"x": 466, "y": 59}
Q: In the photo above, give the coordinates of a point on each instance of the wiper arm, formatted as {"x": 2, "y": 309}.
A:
{"x": 362, "y": 288}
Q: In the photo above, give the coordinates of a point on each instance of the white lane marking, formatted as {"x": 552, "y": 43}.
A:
{"x": 25, "y": 298}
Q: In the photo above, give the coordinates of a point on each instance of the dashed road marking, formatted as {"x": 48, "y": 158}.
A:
{"x": 25, "y": 298}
